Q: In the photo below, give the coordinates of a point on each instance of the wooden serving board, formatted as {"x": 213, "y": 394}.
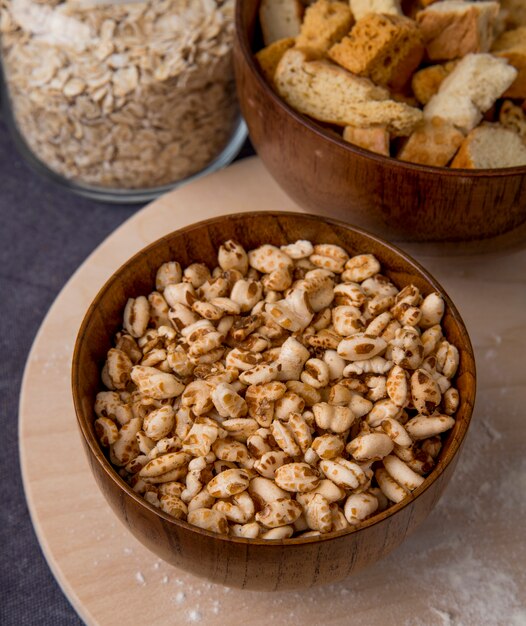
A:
{"x": 466, "y": 565}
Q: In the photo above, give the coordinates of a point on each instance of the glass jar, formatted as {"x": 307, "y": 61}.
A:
{"x": 121, "y": 101}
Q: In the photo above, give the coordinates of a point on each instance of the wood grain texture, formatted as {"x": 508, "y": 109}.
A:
{"x": 326, "y": 175}
{"x": 258, "y": 564}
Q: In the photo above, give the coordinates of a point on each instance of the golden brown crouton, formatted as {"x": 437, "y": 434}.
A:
{"x": 426, "y": 82}
{"x": 269, "y": 57}
{"x": 511, "y": 45}
{"x": 324, "y": 24}
{"x": 432, "y": 143}
{"x": 385, "y": 48}
{"x": 515, "y": 12}
{"x": 375, "y": 139}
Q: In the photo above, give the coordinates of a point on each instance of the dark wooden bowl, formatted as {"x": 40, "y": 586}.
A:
{"x": 323, "y": 173}
{"x": 257, "y": 564}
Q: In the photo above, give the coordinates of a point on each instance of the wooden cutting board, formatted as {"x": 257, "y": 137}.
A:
{"x": 466, "y": 565}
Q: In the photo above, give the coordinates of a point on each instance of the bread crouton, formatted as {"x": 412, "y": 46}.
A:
{"x": 470, "y": 90}
{"x": 515, "y": 12}
{"x": 329, "y": 93}
{"x": 385, "y": 48}
{"x": 324, "y": 24}
{"x": 426, "y": 83}
{"x": 360, "y": 8}
{"x": 375, "y": 139}
{"x": 511, "y": 45}
{"x": 432, "y": 143}
{"x": 280, "y": 19}
{"x": 513, "y": 117}
{"x": 491, "y": 146}
{"x": 269, "y": 57}
{"x": 453, "y": 28}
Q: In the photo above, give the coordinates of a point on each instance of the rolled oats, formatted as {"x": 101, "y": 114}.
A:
{"x": 121, "y": 95}
{"x": 306, "y": 413}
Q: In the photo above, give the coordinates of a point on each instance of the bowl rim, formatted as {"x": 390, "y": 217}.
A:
{"x": 241, "y": 37}
{"x": 119, "y": 482}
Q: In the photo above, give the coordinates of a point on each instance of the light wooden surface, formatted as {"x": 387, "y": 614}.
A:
{"x": 466, "y": 565}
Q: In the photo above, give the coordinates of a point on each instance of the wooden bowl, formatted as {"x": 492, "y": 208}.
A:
{"x": 257, "y": 564}
{"x": 321, "y": 172}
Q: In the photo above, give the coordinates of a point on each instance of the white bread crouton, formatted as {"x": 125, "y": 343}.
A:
{"x": 360, "y": 8}
{"x": 453, "y": 28}
{"x": 432, "y": 143}
{"x": 375, "y": 139}
{"x": 470, "y": 90}
{"x": 324, "y": 24}
{"x": 491, "y": 146}
{"x": 511, "y": 45}
{"x": 280, "y": 19}
{"x": 329, "y": 93}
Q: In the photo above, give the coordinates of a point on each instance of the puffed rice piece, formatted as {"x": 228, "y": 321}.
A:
{"x": 152, "y": 382}
{"x": 136, "y": 316}
{"x": 282, "y": 532}
{"x": 390, "y": 488}
{"x": 297, "y": 477}
{"x": 359, "y": 506}
{"x": 281, "y": 512}
{"x": 423, "y": 427}
{"x": 343, "y": 473}
{"x": 209, "y": 519}
{"x": 264, "y": 490}
{"x": 360, "y": 267}
{"x": 370, "y": 447}
{"x": 301, "y": 249}
{"x": 403, "y": 475}
{"x": 318, "y": 514}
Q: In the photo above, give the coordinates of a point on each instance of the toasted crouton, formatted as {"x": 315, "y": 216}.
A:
{"x": 360, "y": 8}
{"x": 269, "y": 57}
{"x": 432, "y": 143}
{"x": 515, "y": 12}
{"x": 329, "y": 93}
{"x": 491, "y": 146}
{"x": 324, "y": 24}
{"x": 426, "y": 82}
{"x": 385, "y": 48}
{"x": 470, "y": 90}
{"x": 375, "y": 139}
{"x": 514, "y": 118}
{"x": 453, "y": 28}
{"x": 511, "y": 45}
{"x": 280, "y": 19}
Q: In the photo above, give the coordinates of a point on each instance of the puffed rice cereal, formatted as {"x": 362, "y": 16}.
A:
{"x": 288, "y": 392}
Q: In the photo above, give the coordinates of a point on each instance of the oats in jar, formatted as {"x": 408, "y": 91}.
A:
{"x": 121, "y": 95}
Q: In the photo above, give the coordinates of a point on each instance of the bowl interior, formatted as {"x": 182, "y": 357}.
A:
{"x": 199, "y": 243}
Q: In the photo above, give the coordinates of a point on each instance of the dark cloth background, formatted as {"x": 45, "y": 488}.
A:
{"x": 46, "y": 232}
